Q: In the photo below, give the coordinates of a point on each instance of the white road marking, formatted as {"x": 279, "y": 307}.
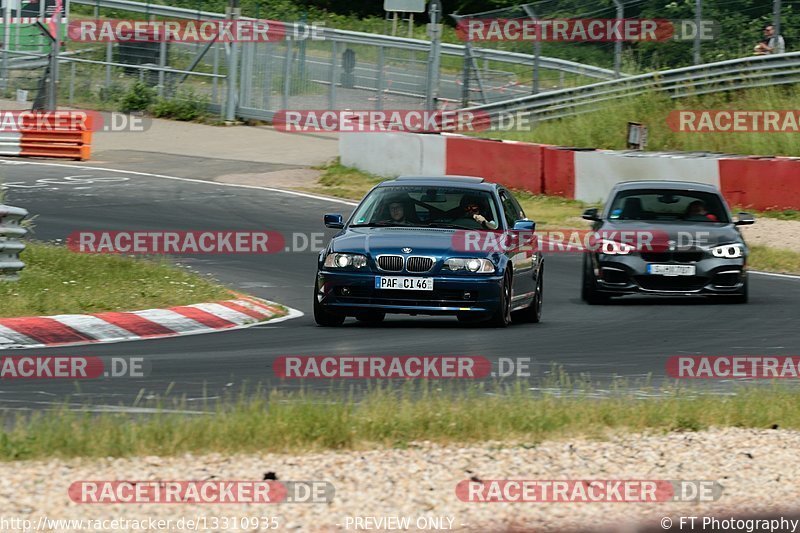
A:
{"x": 191, "y": 180}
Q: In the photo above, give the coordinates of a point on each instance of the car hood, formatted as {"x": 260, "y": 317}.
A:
{"x": 704, "y": 233}
{"x": 422, "y": 241}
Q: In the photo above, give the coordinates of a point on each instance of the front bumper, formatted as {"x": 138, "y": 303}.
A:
{"x": 627, "y": 274}
{"x": 354, "y": 292}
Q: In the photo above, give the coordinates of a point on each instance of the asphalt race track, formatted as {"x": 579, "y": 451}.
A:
{"x": 630, "y": 337}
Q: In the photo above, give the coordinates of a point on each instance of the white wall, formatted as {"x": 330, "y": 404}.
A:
{"x": 393, "y": 154}
{"x": 596, "y": 172}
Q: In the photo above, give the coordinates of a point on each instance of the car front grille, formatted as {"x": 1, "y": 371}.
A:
{"x": 390, "y": 263}
{"x": 419, "y": 264}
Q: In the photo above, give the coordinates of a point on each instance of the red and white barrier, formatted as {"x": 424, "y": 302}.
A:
{"x": 583, "y": 174}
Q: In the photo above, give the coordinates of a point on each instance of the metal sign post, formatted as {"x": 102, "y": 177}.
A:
{"x": 432, "y": 87}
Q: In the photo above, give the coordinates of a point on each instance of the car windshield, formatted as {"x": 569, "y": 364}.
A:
{"x": 426, "y": 206}
{"x": 668, "y": 205}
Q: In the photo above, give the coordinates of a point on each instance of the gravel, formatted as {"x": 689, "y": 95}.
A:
{"x": 756, "y": 468}
{"x": 773, "y": 233}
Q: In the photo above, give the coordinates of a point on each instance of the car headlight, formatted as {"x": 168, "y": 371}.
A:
{"x": 615, "y": 248}
{"x": 336, "y": 260}
{"x": 728, "y": 251}
{"x": 470, "y": 264}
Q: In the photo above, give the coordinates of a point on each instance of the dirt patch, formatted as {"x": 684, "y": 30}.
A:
{"x": 281, "y": 179}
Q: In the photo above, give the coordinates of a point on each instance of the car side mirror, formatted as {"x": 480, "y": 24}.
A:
{"x": 524, "y": 225}
{"x": 335, "y": 221}
{"x": 745, "y": 219}
{"x": 591, "y": 214}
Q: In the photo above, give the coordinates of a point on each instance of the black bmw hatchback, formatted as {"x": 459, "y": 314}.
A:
{"x": 666, "y": 238}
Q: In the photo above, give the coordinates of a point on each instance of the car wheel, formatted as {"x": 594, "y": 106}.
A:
{"x": 589, "y": 292}
{"x": 741, "y": 297}
{"x": 325, "y": 318}
{"x": 371, "y": 319}
{"x": 502, "y": 317}
{"x": 533, "y": 313}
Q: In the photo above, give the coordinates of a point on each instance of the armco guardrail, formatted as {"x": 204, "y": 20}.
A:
{"x": 11, "y": 231}
{"x": 354, "y": 37}
{"x": 748, "y": 72}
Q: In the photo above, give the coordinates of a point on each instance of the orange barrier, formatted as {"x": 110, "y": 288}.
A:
{"x": 60, "y": 134}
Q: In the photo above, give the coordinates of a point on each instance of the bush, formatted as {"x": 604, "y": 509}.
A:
{"x": 186, "y": 106}
{"x": 139, "y": 98}
{"x": 114, "y": 93}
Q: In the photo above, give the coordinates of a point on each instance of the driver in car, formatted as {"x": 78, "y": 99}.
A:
{"x": 697, "y": 210}
{"x": 473, "y": 208}
{"x": 394, "y": 210}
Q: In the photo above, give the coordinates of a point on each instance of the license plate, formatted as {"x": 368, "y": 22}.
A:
{"x": 671, "y": 270}
{"x": 403, "y": 284}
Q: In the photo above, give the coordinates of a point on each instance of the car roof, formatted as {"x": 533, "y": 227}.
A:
{"x": 668, "y": 185}
{"x": 468, "y": 182}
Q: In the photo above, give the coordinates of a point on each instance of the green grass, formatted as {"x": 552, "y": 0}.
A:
{"x": 606, "y": 128}
{"x": 56, "y": 280}
{"x": 774, "y": 260}
{"x": 302, "y": 421}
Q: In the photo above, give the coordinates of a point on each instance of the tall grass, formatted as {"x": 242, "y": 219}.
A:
{"x": 301, "y": 421}
{"x": 607, "y": 127}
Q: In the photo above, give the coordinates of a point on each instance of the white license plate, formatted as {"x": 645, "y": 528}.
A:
{"x": 671, "y": 270}
{"x": 403, "y": 284}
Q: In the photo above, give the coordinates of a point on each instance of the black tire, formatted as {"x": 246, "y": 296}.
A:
{"x": 325, "y": 318}
{"x": 589, "y": 292}
{"x": 502, "y": 317}
{"x": 533, "y": 313}
{"x": 741, "y": 297}
{"x": 371, "y": 318}
{"x": 470, "y": 318}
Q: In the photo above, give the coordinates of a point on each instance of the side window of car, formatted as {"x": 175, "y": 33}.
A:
{"x": 510, "y": 210}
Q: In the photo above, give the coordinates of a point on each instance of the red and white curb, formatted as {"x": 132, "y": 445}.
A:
{"x": 65, "y": 330}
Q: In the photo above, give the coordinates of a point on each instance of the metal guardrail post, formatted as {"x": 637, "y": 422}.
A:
{"x": 432, "y": 87}
{"x": 698, "y": 16}
{"x": 381, "y": 79}
{"x": 332, "y": 86}
{"x": 109, "y": 59}
{"x": 233, "y": 13}
{"x": 11, "y": 231}
{"x": 618, "y": 43}
{"x": 537, "y": 50}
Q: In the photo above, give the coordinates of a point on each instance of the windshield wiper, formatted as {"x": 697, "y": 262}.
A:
{"x": 380, "y": 225}
{"x": 447, "y": 226}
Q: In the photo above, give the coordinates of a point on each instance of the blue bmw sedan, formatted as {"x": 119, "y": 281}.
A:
{"x": 449, "y": 245}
